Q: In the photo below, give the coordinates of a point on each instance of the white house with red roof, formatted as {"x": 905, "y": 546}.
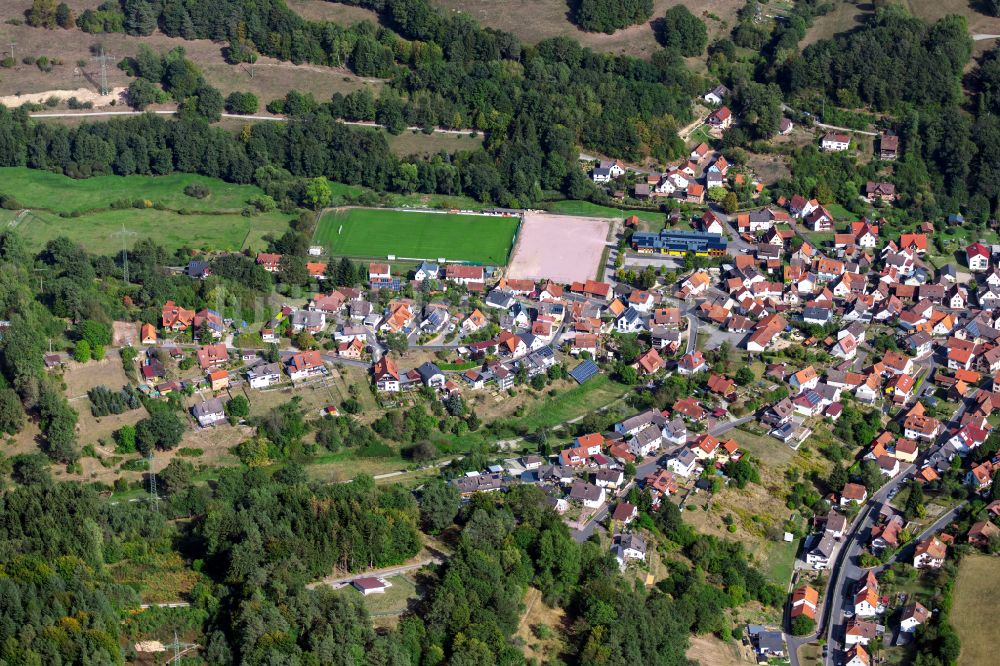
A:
{"x": 721, "y": 118}
{"x": 978, "y": 257}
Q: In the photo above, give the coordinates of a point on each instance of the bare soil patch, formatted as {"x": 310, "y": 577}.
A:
{"x": 564, "y": 248}
{"x": 711, "y": 651}
{"x": 536, "y": 616}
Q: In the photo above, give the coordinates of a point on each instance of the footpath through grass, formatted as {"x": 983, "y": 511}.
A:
{"x": 375, "y": 232}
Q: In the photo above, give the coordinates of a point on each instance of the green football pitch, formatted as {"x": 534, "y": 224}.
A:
{"x": 377, "y": 232}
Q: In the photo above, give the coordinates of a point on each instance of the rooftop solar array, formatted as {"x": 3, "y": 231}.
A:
{"x": 584, "y": 371}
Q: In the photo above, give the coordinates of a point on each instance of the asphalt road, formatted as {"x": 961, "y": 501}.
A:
{"x": 692, "y": 341}
{"x": 846, "y": 570}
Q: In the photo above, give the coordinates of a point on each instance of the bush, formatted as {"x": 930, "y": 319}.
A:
{"x": 244, "y": 103}
{"x": 197, "y": 191}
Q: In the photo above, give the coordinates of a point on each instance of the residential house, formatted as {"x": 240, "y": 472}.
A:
{"x": 982, "y": 532}
{"x": 878, "y": 191}
{"x": 804, "y": 379}
{"x": 210, "y": 356}
{"x": 716, "y": 96}
{"x": 921, "y": 426}
{"x": 853, "y": 493}
{"x": 464, "y": 275}
{"x": 147, "y": 334}
{"x": 692, "y": 363}
{"x": 209, "y": 412}
{"x": 913, "y": 616}
{"x": 310, "y": 321}
{"x": 386, "y": 374}
{"x": 304, "y": 365}
{"x": 265, "y": 375}
{"x": 857, "y": 656}
{"x": 426, "y": 271}
{"x": 431, "y": 375}
{"x": 476, "y": 321}
{"x": 804, "y": 601}
{"x": 624, "y": 513}
{"x": 721, "y": 118}
{"x": 834, "y": 141}
{"x": 647, "y": 441}
{"x": 860, "y": 632}
{"x": 175, "y": 318}
{"x": 218, "y": 380}
{"x": 819, "y": 556}
{"x": 591, "y": 496}
{"x": 888, "y": 147}
{"x": 628, "y": 547}
{"x": 683, "y": 462}
{"x": 978, "y": 257}
{"x": 930, "y": 554}
{"x": 675, "y": 431}
{"x": 609, "y": 478}
{"x": 650, "y": 362}
{"x": 866, "y": 596}
{"x": 270, "y": 262}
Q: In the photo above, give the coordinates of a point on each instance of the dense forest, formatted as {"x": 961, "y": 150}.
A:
{"x": 610, "y": 15}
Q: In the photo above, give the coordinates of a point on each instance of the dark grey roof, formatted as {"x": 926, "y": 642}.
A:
{"x": 582, "y": 490}
{"x": 206, "y": 407}
{"x": 428, "y": 370}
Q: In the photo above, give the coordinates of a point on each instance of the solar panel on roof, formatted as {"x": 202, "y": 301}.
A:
{"x": 584, "y": 371}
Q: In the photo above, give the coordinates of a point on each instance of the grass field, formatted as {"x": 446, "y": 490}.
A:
{"x": 34, "y": 188}
{"x": 535, "y": 20}
{"x": 976, "y": 596}
{"x": 425, "y": 145}
{"x": 848, "y": 15}
{"x": 100, "y": 232}
{"x": 573, "y": 207}
{"x": 214, "y": 222}
{"x": 373, "y": 232}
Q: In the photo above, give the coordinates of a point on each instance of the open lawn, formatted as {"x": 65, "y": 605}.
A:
{"x": 535, "y": 20}
{"x": 976, "y": 596}
{"x": 101, "y": 232}
{"x": 426, "y": 145}
{"x": 214, "y": 222}
{"x": 373, "y": 232}
{"x": 393, "y": 601}
{"x": 586, "y": 208}
{"x": 34, "y": 188}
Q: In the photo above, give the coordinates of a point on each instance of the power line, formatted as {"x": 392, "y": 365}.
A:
{"x": 153, "y": 494}
{"x": 102, "y": 59}
{"x": 12, "y": 45}
{"x": 125, "y": 233}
